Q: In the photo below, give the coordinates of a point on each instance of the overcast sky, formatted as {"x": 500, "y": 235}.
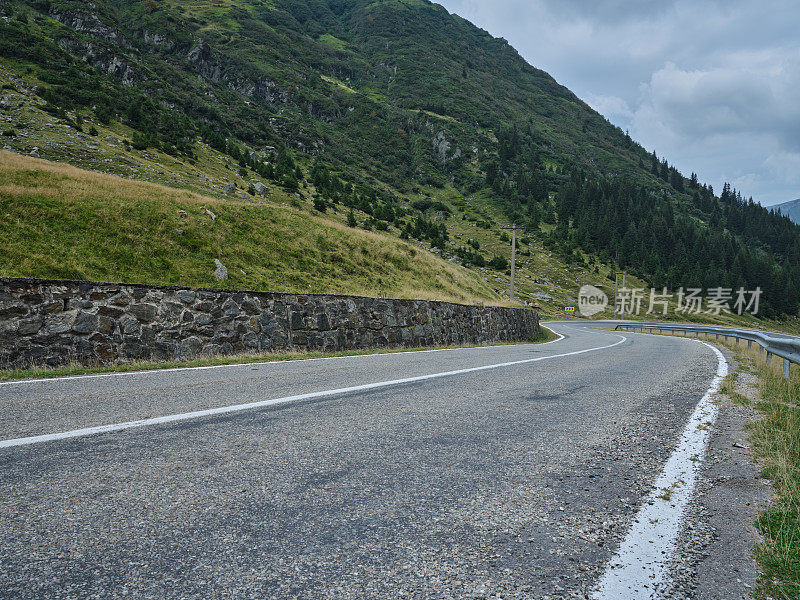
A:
{"x": 711, "y": 85}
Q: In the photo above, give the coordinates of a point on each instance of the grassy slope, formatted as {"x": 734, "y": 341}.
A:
{"x": 71, "y": 223}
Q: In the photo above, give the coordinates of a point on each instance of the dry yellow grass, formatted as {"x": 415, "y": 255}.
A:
{"x": 66, "y": 222}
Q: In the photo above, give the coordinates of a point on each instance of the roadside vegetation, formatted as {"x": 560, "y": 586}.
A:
{"x": 776, "y": 445}
{"x": 545, "y": 335}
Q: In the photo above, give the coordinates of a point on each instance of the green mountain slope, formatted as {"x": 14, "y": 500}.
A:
{"x": 394, "y": 113}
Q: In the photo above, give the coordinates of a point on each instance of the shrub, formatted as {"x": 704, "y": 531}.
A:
{"x": 499, "y": 263}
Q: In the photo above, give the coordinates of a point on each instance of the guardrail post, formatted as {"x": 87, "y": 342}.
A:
{"x": 786, "y": 368}
{"x": 769, "y": 357}
{"x": 749, "y": 344}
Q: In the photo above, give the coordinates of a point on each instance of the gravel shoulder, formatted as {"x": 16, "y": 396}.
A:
{"x": 715, "y": 560}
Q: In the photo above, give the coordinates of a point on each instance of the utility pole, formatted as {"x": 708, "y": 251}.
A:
{"x": 513, "y": 229}
{"x": 513, "y": 257}
{"x": 616, "y": 292}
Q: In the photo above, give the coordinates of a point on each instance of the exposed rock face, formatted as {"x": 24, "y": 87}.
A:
{"x": 90, "y": 25}
{"x": 157, "y": 39}
{"x": 200, "y": 58}
{"x": 441, "y": 146}
{"x": 46, "y": 322}
{"x": 259, "y": 89}
{"x": 119, "y": 68}
{"x": 100, "y": 57}
{"x": 221, "y": 272}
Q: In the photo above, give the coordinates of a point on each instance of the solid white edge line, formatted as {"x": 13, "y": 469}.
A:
{"x": 638, "y": 568}
{"x": 256, "y": 363}
{"x": 559, "y": 337}
{"x": 265, "y": 403}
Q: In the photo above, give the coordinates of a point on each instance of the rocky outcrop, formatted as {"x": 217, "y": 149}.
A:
{"x": 442, "y": 146}
{"x": 220, "y": 271}
{"x": 100, "y": 57}
{"x": 157, "y": 39}
{"x": 258, "y": 89}
{"x": 199, "y": 58}
{"x": 55, "y": 322}
{"x": 89, "y": 25}
{"x": 259, "y": 187}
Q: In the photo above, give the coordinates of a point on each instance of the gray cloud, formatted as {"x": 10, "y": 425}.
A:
{"x": 710, "y": 85}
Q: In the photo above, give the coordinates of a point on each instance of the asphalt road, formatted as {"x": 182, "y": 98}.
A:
{"x": 511, "y": 482}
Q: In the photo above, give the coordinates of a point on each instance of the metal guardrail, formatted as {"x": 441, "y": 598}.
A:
{"x": 785, "y": 347}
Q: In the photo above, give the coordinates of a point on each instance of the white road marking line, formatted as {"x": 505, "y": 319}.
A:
{"x": 558, "y": 338}
{"x": 254, "y": 364}
{"x": 639, "y": 567}
{"x": 265, "y": 403}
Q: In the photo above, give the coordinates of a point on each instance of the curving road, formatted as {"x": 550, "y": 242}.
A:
{"x": 441, "y": 475}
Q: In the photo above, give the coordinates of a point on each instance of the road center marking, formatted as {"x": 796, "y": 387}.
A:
{"x": 638, "y": 568}
{"x": 37, "y": 439}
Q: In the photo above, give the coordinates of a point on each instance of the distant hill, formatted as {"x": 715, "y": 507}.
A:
{"x": 791, "y": 209}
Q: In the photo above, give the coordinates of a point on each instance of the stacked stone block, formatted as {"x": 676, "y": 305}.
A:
{"x": 56, "y": 322}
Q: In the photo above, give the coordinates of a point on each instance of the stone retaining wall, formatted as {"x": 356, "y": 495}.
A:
{"x": 55, "y": 322}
